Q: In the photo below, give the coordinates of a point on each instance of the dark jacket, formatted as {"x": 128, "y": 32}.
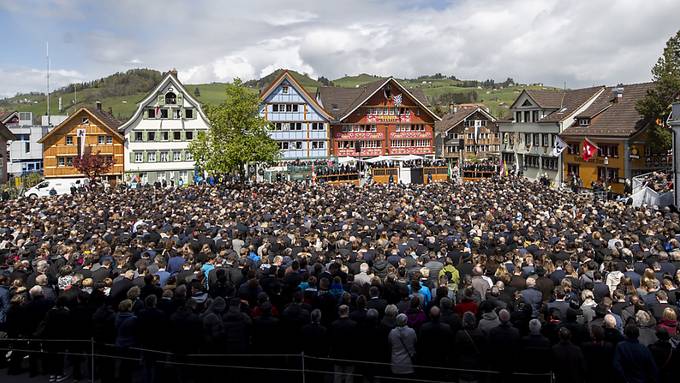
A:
{"x": 634, "y": 363}
{"x": 434, "y": 343}
{"x": 342, "y": 336}
{"x": 569, "y": 365}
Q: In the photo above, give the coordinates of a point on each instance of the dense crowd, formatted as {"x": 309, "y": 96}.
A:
{"x": 660, "y": 182}
{"x": 483, "y": 165}
{"x": 503, "y": 274}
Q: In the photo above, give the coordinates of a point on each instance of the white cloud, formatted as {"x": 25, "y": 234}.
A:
{"x": 20, "y": 79}
{"x": 289, "y": 17}
{"x": 582, "y": 42}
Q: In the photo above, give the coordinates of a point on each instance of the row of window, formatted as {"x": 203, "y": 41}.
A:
{"x": 605, "y": 150}
{"x": 391, "y": 112}
{"x": 358, "y": 128}
{"x": 473, "y": 148}
{"x": 101, "y": 140}
{"x": 410, "y": 143}
{"x": 359, "y": 144}
{"x": 297, "y": 126}
{"x": 610, "y": 174}
{"x": 291, "y": 108}
{"x": 469, "y": 123}
{"x": 162, "y": 156}
{"x": 67, "y": 161}
{"x": 299, "y": 145}
{"x": 166, "y": 113}
{"x": 163, "y": 136}
{"x": 528, "y": 116}
{"x": 411, "y": 128}
{"x": 548, "y": 163}
{"x": 471, "y": 136}
{"x": 539, "y": 139}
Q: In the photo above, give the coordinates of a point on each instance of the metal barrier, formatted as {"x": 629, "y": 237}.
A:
{"x": 294, "y": 367}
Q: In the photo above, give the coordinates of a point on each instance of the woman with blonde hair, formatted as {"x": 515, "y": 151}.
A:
{"x": 669, "y": 321}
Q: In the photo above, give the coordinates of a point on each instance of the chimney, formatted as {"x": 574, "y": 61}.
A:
{"x": 110, "y": 110}
{"x": 173, "y": 72}
{"x": 99, "y": 105}
{"x": 453, "y": 108}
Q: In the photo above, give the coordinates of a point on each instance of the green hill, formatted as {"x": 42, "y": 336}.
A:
{"x": 121, "y": 92}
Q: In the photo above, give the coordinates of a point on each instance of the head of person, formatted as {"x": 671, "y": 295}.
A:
{"x": 402, "y": 320}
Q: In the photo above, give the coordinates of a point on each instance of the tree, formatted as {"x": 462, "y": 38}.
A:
{"x": 656, "y": 104}
{"x": 197, "y": 92}
{"x": 237, "y": 136}
{"x": 93, "y": 165}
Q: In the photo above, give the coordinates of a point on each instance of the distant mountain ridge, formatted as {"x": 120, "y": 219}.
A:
{"x": 121, "y": 91}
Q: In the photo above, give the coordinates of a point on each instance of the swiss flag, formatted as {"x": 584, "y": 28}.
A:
{"x": 588, "y": 150}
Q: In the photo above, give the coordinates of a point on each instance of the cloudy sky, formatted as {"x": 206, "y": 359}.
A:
{"x": 580, "y": 42}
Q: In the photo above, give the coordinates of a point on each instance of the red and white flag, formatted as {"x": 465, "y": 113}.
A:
{"x": 157, "y": 112}
{"x": 588, "y": 149}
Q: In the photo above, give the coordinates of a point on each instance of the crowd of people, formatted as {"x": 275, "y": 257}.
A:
{"x": 660, "y": 182}
{"x": 504, "y": 275}
{"x": 487, "y": 165}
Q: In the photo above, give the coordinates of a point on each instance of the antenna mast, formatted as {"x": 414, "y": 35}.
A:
{"x": 47, "y": 48}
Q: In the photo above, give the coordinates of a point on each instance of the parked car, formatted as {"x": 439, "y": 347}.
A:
{"x": 59, "y": 185}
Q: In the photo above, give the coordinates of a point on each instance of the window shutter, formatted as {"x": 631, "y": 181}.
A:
{"x": 171, "y": 156}
{"x": 146, "y": 114}
{"x": 144, "y": 136}
{"x": 179, "y": 99}
{"x": 161, "y": 99}
{"x": 132, "y": 157}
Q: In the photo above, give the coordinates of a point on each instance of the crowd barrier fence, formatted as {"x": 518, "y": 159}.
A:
{"x": 298, "y": 367}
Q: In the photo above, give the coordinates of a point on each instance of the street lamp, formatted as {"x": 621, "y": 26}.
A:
{"x": 606, "y": 176}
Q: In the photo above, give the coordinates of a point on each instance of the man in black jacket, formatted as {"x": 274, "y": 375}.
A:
{"x": 569, "y": 365}
{"x": 342, "y": 338}
{"x": 633, "y": 362}
{"x": 434, "y": 340}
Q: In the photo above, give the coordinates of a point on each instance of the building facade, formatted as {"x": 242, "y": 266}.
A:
{"x": 379, "y": 118}
{"x": 298, "y": 123}
{"x": 65, "y": 142}
{"x": 467, "y": 132}
{"x": 622, "y": 135}
{"x": 157, "y": 136}
{"x": 25, "y": 152}
{"x": 538, "y": 116}
{"x": 5, "y": 137}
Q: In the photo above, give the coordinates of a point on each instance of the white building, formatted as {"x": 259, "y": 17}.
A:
{"x": 157, "y": 136}
{"x": 538, "y": 116}
{"x": 25, "y": 153}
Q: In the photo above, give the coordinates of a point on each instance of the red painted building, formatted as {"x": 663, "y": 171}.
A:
{"x": 379, "y": 118}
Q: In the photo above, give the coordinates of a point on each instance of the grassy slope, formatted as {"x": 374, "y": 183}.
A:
{"x": 498, "y": 100}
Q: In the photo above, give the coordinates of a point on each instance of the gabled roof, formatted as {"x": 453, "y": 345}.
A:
{"x": 6, "y": 133}
{"x": 285, "y": 75}
{"x": 451, "y": 120}
{"x": 106, "y": 120}
{"x": 612, "y": 117}
{"x": 170, "y": 77}
{"x": 573, "y": 100}
{"x": 563, "y": 102}
{"x": 4, "y": 116}
{"x": 342, "y": 102}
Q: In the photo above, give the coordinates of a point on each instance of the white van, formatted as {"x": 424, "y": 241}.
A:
{"x": 60, "y": 186}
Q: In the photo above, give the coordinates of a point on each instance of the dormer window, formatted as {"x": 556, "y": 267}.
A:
{"x": 85, "y": 121}
{"x": 170, "y": 98}
{"x": 583, "y": 121}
